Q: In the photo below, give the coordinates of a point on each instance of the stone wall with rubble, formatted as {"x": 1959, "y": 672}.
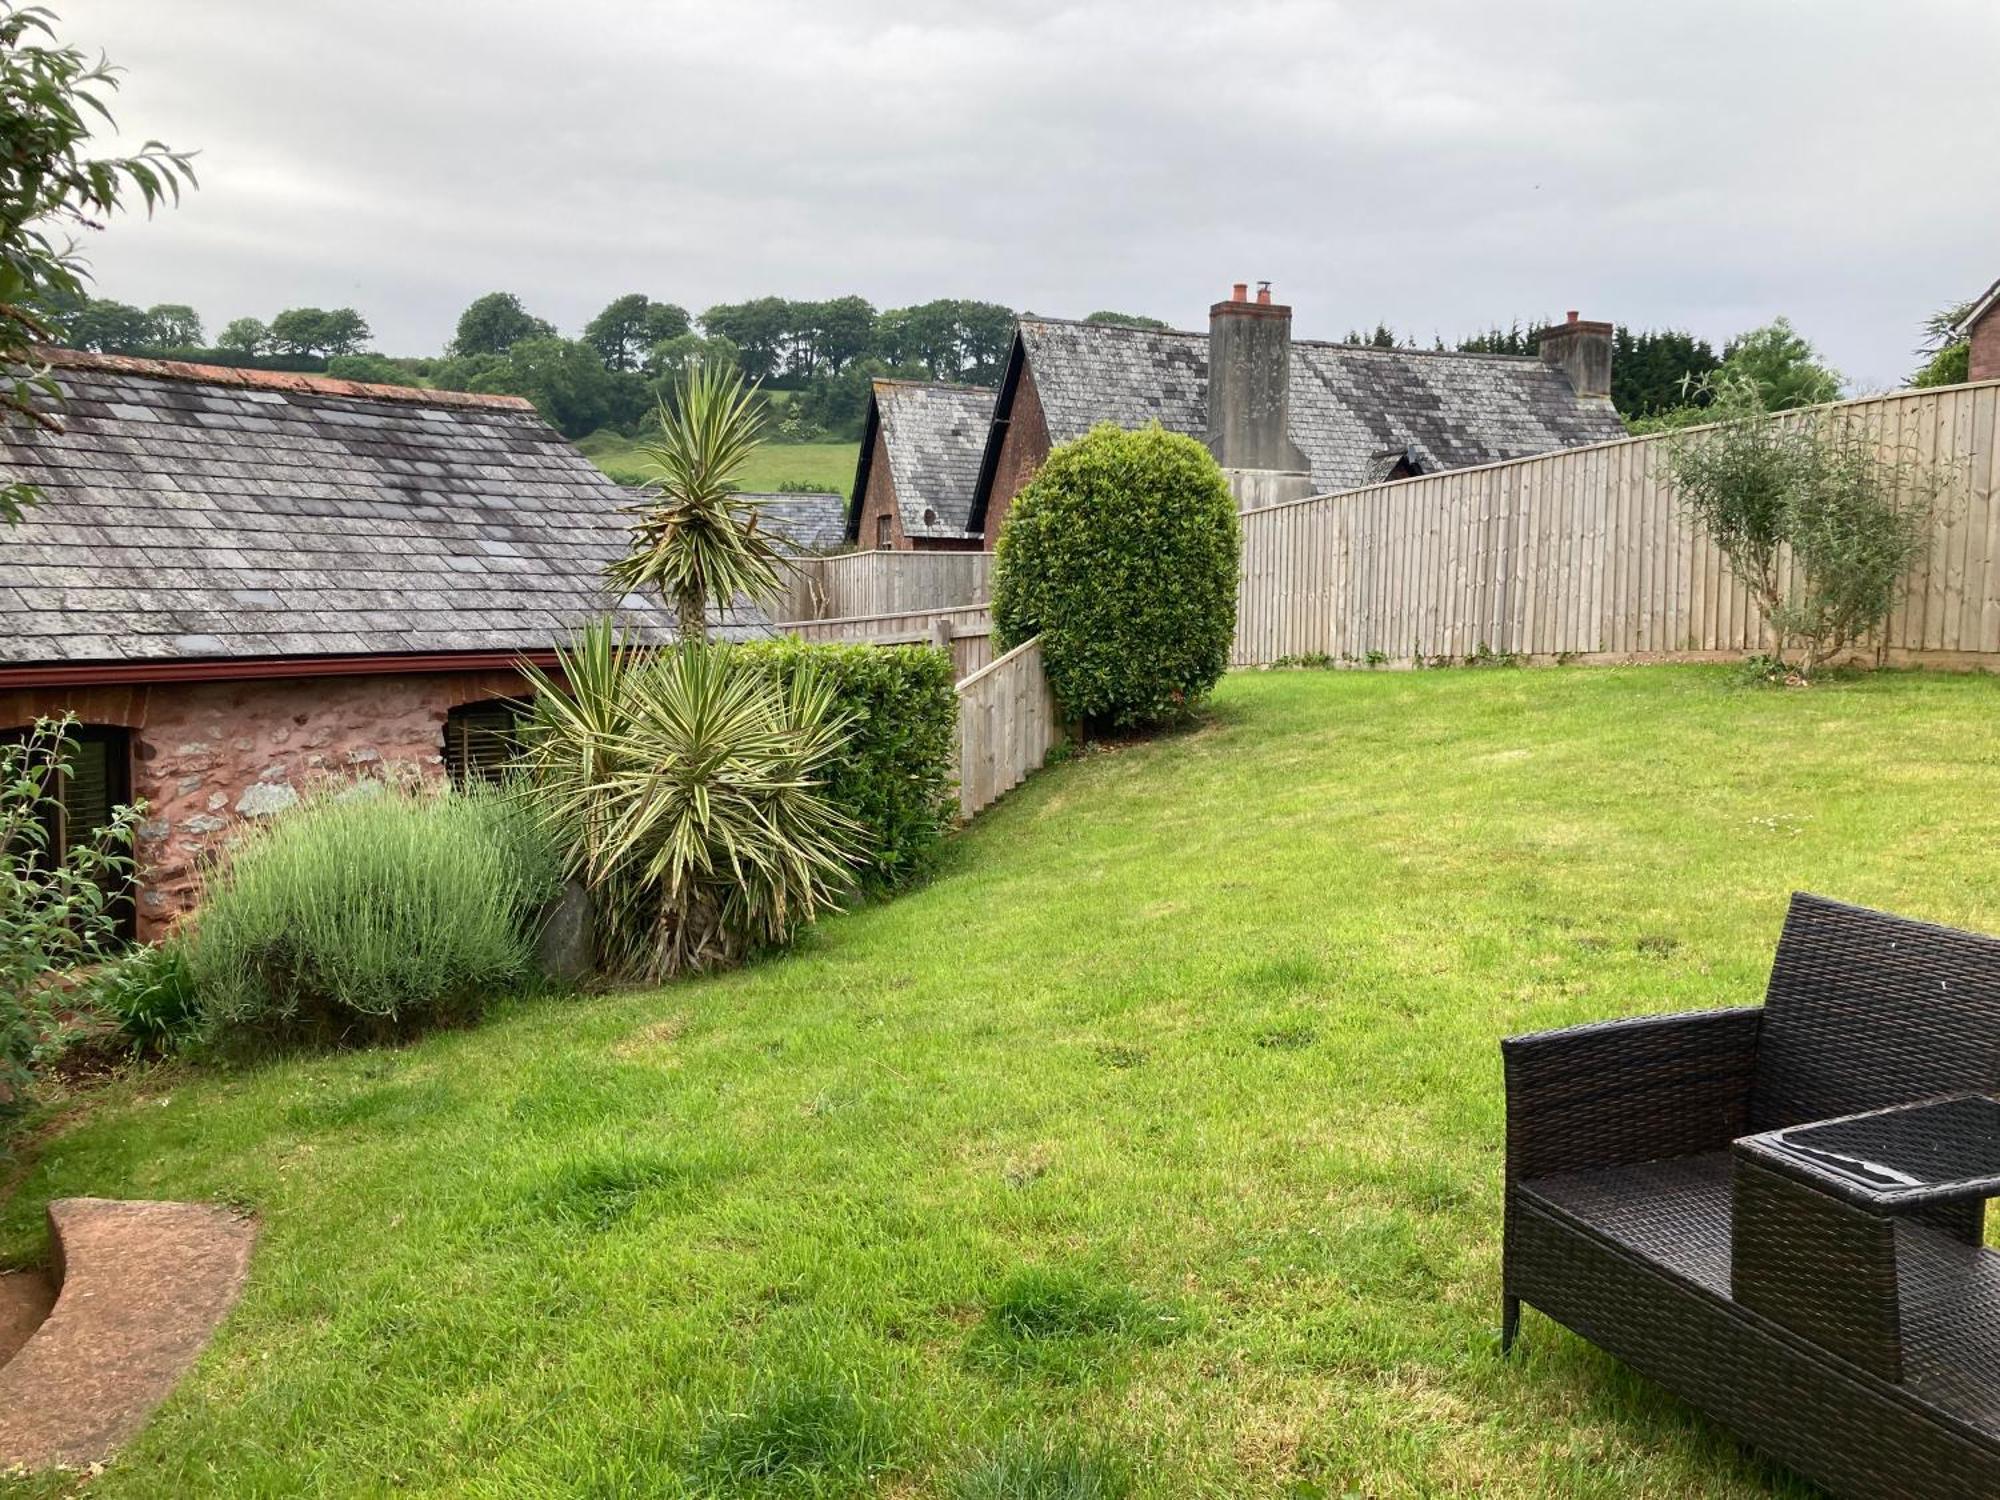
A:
{"x": 209, "y": 757}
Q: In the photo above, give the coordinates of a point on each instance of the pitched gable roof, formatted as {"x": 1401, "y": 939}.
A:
{"x": 196, "y": 512}
{"x": 934, "y": 434}
{"x": 807, "y": 521}
{"x": 1348, "y": 404}
{"x": 1977, "y": 309}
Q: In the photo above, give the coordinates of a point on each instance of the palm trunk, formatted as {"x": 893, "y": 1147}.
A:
{"x": 692, "y": 610}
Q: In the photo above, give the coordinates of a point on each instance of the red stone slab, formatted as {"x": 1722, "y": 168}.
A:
{"x": 25, "y": 1300}
{"x": 143, "y": 1287}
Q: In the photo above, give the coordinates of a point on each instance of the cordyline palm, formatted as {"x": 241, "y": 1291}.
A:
{"x": 687, "y": 789}
{"x": 697, "y": 539}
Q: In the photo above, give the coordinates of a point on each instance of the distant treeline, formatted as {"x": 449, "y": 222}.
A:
{"x": 615, "y": 374}
{"x": 815, "y": 359}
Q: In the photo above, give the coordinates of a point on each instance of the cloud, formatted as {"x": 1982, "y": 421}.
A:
{"x": 1439, "y": 166}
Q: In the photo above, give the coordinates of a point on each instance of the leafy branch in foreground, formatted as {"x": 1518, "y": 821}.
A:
{"x": 697, "y": 540}
{"x": 48, "y": 96}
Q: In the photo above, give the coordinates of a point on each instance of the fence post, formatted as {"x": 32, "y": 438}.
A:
{"x": 941, "y": 633}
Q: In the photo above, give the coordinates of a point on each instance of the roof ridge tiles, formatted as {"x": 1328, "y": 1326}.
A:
{"x": 270, "y": 380}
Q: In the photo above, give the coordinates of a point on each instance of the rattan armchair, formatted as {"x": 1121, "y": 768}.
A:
{"x": 1776, "y": 1212}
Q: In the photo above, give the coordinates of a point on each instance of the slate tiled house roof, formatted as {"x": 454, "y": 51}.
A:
{"x": 1350, "y": 405}
{"x": 194, "y": 512}
{"x": 934, "y": 434}
{"x": 808, "y": 523}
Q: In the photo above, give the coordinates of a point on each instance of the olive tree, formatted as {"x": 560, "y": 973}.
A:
{"x": 1813, "y": 516}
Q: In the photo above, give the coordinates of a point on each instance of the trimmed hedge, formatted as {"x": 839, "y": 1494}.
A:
{"x": 894, "y": 777}
{"x": 1121, "y": 556}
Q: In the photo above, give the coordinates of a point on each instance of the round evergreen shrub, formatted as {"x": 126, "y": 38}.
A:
{"x": 1121, "y": 556}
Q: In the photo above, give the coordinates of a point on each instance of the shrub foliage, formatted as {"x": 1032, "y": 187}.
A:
{"x": 1121, "y": 556}
{"x": 893, "y": 776}
{"x": 360, "y": 916}
{"x": 56, "y": 897}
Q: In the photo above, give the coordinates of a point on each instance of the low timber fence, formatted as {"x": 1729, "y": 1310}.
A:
{"x": 967, "y": 632}
{"x": 1584, "y": 553}
{"x": 1007, "y": 725}
{"x": 1007, "y": 717}
{"x": 855, "y": 584}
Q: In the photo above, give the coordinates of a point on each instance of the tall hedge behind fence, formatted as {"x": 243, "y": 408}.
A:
{"x": 895, "y": 775}
{"x": 1584, "y": 552}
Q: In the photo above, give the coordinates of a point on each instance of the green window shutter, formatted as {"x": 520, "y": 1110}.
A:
{"x": 87, "y": 797}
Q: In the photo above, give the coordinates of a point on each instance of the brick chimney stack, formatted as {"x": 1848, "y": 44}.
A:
{"x": 1249, "y": 383}
{"x": 1582, "y": 351}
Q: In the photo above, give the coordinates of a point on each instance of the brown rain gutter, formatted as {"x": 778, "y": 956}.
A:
{"x": 263, "y": 668}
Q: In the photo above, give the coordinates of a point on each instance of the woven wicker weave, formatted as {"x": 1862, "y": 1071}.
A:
{"x": 1662, "y": 1204}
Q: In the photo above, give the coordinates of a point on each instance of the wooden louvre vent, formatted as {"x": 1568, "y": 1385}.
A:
{"x": 481, "y": 741}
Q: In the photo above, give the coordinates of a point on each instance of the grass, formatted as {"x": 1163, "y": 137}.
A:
{"x": 830, "y": 465}
{"x": 1153, "y": 1149}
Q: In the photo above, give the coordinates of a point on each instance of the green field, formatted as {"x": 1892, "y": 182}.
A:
{"x": 830, "y": 465}
{"x": 1153, "y": 1148}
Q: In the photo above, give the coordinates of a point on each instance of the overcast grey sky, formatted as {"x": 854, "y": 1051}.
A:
{"x": 1439, "y": 166}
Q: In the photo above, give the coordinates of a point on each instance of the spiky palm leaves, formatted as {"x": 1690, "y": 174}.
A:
{"x": 697, "y": 540}
{"x": 686, "y": 791}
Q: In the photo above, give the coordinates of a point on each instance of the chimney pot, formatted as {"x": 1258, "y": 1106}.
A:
{"x": 1263, "y": 294}
{"x": 1240, "y": 292}
{"x": 1572, "y": 315}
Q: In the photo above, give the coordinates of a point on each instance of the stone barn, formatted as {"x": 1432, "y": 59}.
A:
{"x": 246, "y": 583}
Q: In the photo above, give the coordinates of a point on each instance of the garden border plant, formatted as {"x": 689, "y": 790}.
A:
{"x": 57, "y": 898}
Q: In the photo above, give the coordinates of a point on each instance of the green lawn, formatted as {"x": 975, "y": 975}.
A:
{"x": 830, "y": 465}
{"x": 1159, "y": 1136}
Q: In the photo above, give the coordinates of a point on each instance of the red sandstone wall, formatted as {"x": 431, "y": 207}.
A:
{"x": 1021, "y": 453}
{"x": 879, "y": 499}
{"x": 1984, "y": 363}
{"x": 209, "y": 755}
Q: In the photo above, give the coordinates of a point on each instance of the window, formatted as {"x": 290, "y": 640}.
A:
{"x": 481, "y": 740}
{"x": 883, "y": 540}
{"x": 99, "y": 782}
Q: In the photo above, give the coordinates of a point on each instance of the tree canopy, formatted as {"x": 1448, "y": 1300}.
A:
{"x": 495, "y": 323}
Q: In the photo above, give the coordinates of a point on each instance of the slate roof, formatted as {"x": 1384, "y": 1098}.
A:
{"x": 1349, "y": 404}
{"x": 197, "y": 512}
{"x": 935, "y": 435}
{"x": 810, "y": 523}
{"x": 807, "y": 523}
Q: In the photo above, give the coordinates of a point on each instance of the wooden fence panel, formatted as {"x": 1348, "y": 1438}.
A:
{"x": 885, "y": 583}
{"x": 1007, "y": 725}
{"x": 1584, "y": 553}
{"x": 967, "y": 630}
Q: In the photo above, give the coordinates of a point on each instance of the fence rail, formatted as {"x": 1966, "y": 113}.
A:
{"x": 1585, "y": 553}
{"x": 967, "y": 632}
{"x": 1007, "y": 725}
{"x": 883, "y": 583}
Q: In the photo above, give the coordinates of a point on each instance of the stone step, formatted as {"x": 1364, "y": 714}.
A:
{"x": 139, "y": 1290}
